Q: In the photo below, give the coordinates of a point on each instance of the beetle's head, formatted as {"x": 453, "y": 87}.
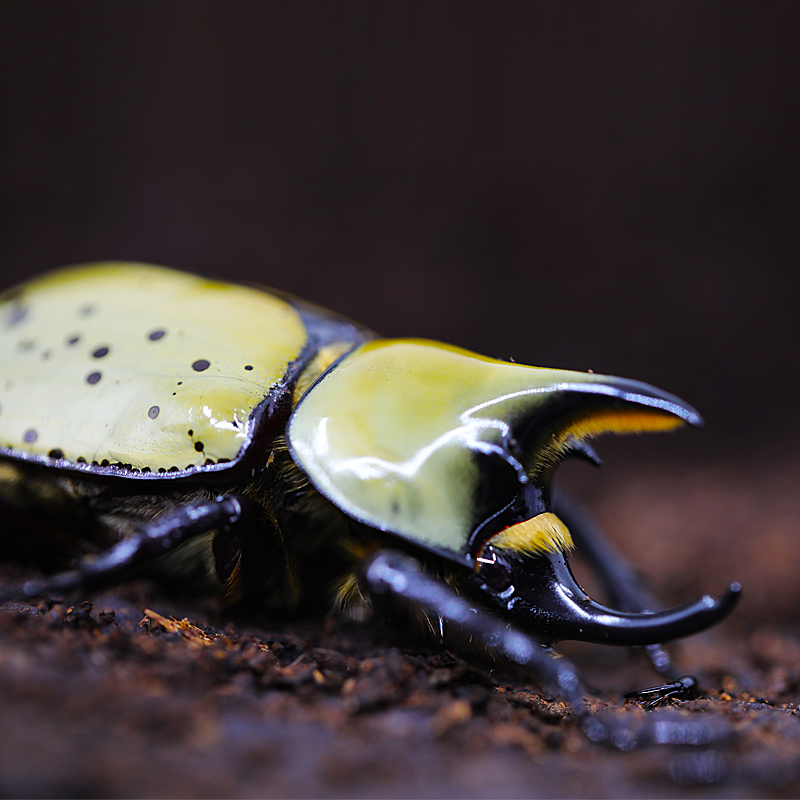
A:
{"x": 455, "y": 453}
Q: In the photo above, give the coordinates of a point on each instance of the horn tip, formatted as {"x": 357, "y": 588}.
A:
{"x": 727, "y": 601}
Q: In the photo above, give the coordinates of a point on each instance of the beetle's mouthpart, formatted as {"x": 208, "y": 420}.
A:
{"x": 546, "y": 599}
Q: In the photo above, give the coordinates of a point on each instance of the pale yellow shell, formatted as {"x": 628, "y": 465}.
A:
{"x": 138, "y": 365}
{"x": 391, "y": 434}
{"x": 146, "y": 370}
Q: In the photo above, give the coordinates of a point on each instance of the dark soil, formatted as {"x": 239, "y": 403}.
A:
{"x": 142, "y": 694}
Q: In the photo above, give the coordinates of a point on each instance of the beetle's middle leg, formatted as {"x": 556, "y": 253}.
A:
{"x": 143, "y": 548}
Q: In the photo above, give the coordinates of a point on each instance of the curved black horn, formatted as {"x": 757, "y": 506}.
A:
{"x": 550, "y": 603}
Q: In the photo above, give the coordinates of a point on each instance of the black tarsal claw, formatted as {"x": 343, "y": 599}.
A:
{"x": 684, "y": 688}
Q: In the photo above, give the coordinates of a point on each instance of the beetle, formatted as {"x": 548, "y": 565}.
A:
{"x": 244, "y": 440}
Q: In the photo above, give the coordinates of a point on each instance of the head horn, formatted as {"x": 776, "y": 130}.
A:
{"x": 547, "y": 601}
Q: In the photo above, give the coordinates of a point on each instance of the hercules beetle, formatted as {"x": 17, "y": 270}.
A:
{"x": 164, "y": 423}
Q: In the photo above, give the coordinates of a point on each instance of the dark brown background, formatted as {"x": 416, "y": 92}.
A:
{"x": 613, "y": 186}
{"x": 600, "y": 185}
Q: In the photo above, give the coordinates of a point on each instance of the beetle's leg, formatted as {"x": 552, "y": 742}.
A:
{"x": 141, "y": 549}
{"x": 389, "y": 573}
{"x": 401, "y": 577}
{"x": 681, "y": 689}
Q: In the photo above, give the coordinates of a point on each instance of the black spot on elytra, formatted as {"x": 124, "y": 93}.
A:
{"x": 153, "y": 412}
{"x": 190, "y": 432}
{"x": 105, "y": 462}
{"x": 18, "y": 313}
{"x": 154, "y": 336}
{"x": 100, "y": 352}
{"x": 81, "y": 460}
{"x": 93, "y": 377}
{"x": 248, "y": 367}
{"x": 201, "y": 365}
{"x": 30, "y": 436}
{"x": 73, "y": 339}
{"x": 56, "y": 453}
{"x": 199, "y": 446}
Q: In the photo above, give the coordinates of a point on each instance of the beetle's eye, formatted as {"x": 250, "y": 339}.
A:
{"x": 496, "y": 496}
{"x": 501, "y": 478}
{"x": 493, "y": 570}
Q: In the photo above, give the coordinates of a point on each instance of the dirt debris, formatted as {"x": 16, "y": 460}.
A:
{"x": 140, "y": 693}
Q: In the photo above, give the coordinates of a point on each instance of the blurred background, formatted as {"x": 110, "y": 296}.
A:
{"x": 607, "y": 186}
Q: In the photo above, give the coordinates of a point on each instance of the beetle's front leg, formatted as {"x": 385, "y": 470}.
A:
{"x": 401, "y": 577}
{"x": 143, "y": 548}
